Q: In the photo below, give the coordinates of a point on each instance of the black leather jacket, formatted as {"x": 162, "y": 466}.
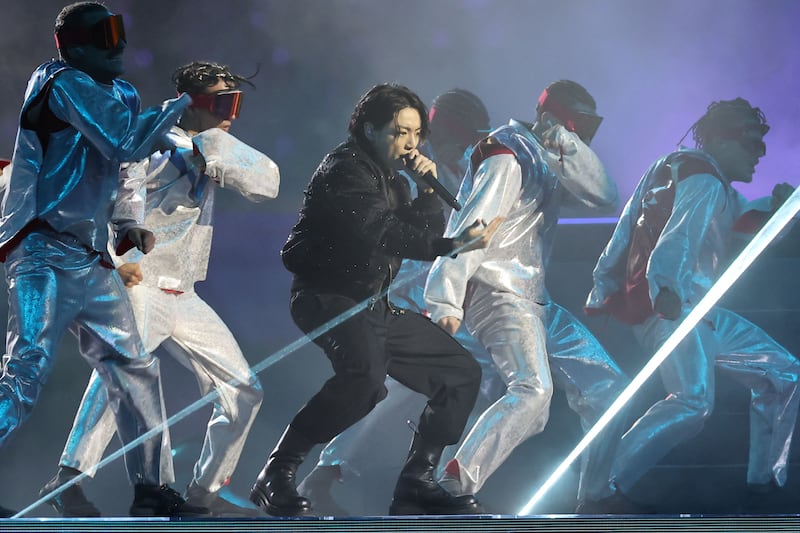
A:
{"x": 357, "y": 223}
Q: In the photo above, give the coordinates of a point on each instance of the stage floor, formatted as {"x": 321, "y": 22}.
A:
{"x": 486, "y": 523}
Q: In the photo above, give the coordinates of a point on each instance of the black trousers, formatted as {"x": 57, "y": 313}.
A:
{"x": 379, "y": 341}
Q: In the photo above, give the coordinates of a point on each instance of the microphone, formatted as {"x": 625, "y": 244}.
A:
{"x": 430, "y": 180}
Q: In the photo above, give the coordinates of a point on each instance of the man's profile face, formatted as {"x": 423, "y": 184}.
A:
{"x": 102, "y": 64}
{"x": 397, "y": 137}
{"x": 738, "y": 157}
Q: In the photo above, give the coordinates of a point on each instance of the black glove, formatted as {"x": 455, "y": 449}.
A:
{"x": 139, "y": 238}
{"x": 667, "y": 304}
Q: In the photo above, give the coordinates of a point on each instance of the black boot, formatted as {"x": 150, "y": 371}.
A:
{"x": 161, "y": 500}
{"x": 275, "y": 489}
{"x": 71, "y": 502}
{"x": 418, "y": 493}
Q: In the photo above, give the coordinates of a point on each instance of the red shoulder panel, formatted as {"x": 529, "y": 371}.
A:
{"x": 486, "y": 149}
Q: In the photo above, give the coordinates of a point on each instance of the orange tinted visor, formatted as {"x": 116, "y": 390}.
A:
{"x": 106, "y": 34}
{"x": 224, "y": 105}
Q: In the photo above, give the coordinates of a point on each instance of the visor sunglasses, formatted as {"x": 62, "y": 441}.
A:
{"x": 583, "y": 124}
{"x": 105, "y": 34}
{"x": 224, "y": 105}
{"x": 754, "y": 145}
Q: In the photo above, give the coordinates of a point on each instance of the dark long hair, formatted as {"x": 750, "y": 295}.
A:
{"x": 381, "y": 104}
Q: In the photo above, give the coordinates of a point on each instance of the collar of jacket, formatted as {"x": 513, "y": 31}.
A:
{"x": 368, "y": 151}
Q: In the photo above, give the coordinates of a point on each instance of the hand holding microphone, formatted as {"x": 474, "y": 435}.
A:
{"x": 423, "y": 171}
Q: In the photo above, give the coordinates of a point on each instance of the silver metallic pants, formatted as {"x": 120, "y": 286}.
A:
{"x": 513, "y": 332}
{"x": 738, "y": 348}
{"x": 54, "y": 283}
{"x": 530, "y": 358}
{"x": 592, "y": 381}
{"x": 190, "y": 330}
{"x": 579, "y": 364}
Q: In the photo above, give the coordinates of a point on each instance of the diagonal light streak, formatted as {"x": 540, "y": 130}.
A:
{"x": 266, "y": 363}
{"x": 759, "y": 242}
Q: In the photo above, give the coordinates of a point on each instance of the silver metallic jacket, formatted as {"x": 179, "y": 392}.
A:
{"x": 72, "y": 184}
{"x": 529, "y": 194}
{"x": 179, "y": 211}
{"x": 694, "y": 245}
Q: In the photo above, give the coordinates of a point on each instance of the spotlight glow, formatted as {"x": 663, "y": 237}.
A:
{"x": 753, "y": 249}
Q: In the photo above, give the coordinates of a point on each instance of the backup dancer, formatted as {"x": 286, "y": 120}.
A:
{"x": 175, "y": 200}
{"x": 78, "y": 123}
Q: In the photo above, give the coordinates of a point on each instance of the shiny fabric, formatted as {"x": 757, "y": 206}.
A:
{"x": 499, "y": 293}
{"x": 694, "y": 247}
{"x": 191, "y": 332}
{"x": 54, "y": 277}
{"x": 512, "y": 330}
{"x": 694, "y": 244}
{"x": 179, "y": 202}
{"x": 179, "y": 191}
{"x": 357, "y": 223}
{"x": 55, "y": 283}
{"x": 353, "y": 449}
{"x": 578, "y": 364}
{"x": 592, "y": 380}
{"x": 73, "y": 185}
{"x": 407, "y": 291}
{"x": 738, "y": 348}
{"x": 528, "y": 189}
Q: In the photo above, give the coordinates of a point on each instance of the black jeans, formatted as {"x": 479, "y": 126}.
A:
{"x": 379, "y": 341}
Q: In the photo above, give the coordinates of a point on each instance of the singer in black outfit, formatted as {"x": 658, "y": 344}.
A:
{"x": 357, "y": 223}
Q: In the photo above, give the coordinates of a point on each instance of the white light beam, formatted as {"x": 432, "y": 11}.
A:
{"x": 753, "y": 249}
{"x": 212, "y": 396}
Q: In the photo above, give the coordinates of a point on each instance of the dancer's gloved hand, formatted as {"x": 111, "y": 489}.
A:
{"x": 142, "y": 239}
{"x": 139, "y": 238}
{"x": 667, "y": 304}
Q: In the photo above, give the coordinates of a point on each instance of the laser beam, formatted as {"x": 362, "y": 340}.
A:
{"x": 759, "y": 242}
{"x": 213, "y": 395}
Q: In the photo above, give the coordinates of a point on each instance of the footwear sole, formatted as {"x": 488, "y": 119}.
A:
{"x": 260, "y": 499}
{"x": 59, "y": 508}
{"x": 409, "y": 508}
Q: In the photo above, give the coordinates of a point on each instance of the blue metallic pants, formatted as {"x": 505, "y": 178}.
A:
{"x": 738, "y": 348}
{"x": 191, "y": 332}
{"x": 54, "y": 283}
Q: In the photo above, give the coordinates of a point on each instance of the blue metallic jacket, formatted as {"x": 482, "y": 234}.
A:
{"x": 69, "y": 177}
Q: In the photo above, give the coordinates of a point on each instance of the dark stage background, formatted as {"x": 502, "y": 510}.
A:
{"x": 653, "y": 68}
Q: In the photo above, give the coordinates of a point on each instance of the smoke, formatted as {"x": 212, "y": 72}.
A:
{"x": 652, "y": 66}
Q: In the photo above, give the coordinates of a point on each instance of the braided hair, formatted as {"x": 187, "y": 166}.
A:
{"x": 727, "y": 119}
{"x": 198, "y": 76}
